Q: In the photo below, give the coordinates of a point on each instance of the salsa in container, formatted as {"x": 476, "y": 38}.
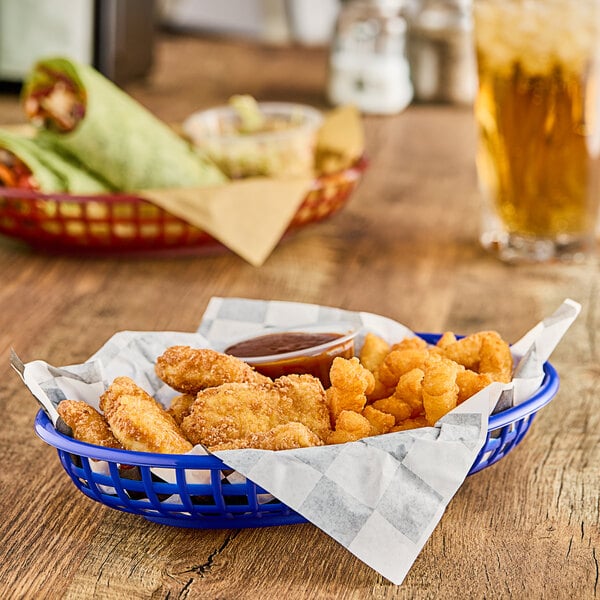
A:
{"x": 308, "y": 351}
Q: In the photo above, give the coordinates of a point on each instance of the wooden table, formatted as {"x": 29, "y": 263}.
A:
{"x": 405, "y": 247}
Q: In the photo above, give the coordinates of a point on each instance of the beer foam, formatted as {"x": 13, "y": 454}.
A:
{"x": 538, "y": 34}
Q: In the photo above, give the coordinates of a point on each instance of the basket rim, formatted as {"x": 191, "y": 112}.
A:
{"x": 49, "y": 434}
{"x": 351, "y": 173}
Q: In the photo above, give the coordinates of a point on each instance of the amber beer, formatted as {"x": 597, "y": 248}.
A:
{"x": 537, "y": 112}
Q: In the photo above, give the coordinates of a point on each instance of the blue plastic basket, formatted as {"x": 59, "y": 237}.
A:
{"x": 128, "y": 483}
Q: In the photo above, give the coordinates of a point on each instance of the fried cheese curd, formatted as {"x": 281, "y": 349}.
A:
{"x": 224, "y": 404}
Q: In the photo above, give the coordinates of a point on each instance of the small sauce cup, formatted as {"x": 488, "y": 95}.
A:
{"x": 309, "y": 350}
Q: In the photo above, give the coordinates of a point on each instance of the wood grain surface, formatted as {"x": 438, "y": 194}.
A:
{"x": 405, "y": 247}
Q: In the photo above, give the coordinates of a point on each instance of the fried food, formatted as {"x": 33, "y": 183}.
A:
{"x": 407, "y": 399}
{"x": 225, "y": 404}
{"x": 394, "y": 406}
{"x": 189, "y": 370}
{"x": 236, "y": 411}
{"x": 282, "y": 437}
{"x": 350, "y": 426}
{"x": 469, "y": 383}
{"x": 483, "y": 352}
{"x": 407, "y": 424}
{"x": 446, "y": 339}
{"x": 381, "y": 422}
{"x": 181, "y": 407}
{"x": 373, "y": 351}
{"x": 87, "y": 424}
{"x": 350, "y": 382}
{"x": 401, "y": 361}
{"x": 139, "y": 422}
{"x": 413, "y": 343}
{"x": 495, "y": 358}
{"x": 440, "y": 390}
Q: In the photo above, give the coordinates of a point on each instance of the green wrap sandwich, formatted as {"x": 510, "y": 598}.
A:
{"x": 29, "y": 163}
{"x": 83, "y": 113}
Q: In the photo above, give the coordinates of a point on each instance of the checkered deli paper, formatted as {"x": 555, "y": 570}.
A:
{"x": 380, "y": 497}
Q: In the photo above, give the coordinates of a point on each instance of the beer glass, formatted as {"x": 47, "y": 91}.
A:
{"x": 537, "y": 111}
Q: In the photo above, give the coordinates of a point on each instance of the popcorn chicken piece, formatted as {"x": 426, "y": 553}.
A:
{"x": 469, "y": 383}
{"x": 350, "y": 426}
{"x": 381, "y": 422}
{"x": 392, "y": 405}
{"x": 413, "y": 343}
{"x": 379, "y": 390}
{"x": 466, "y": 351}
{"x": 374, "y": 350}
{"x": 350, "y": 382}
{"x": 447, "y": 338}
{"x": 495, "y": 358}
{"x": 348, "y": 374}
{"x": 398, "y": 362}
{"x": 440, "y": 391}
{"x": 410, "y": 424}
{"x": 410, "y": 391}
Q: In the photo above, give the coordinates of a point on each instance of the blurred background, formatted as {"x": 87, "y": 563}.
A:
{"x": 383, "y": 54}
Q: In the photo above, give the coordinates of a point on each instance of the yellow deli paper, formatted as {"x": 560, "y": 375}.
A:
{"x": 249, "y": 216}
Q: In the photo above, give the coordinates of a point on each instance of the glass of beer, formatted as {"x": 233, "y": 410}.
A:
{"x": 537, "y": 112}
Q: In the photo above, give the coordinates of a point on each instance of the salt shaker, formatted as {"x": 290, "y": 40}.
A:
{"x": 368, "y": 66}
{"x": 440, "y": 50}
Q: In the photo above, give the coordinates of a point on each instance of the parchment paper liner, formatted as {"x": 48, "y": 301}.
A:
{"x": 380, "y": 497}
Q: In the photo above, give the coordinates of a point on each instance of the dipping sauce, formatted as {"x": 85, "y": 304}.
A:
{"x": 284, "y": 353}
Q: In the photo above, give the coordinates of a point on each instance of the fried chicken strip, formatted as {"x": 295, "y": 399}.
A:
{"x": 234, "y": 411}
{"x": 282, "y": 437}
{"x": 87, "y": 424}
{"x": 139, "y": 422}
{"x": 189, "y": 370}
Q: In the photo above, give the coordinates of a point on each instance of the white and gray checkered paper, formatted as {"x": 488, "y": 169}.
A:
{"x": 380, "y": 497}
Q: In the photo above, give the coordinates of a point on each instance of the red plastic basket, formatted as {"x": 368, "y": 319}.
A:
{"x": 116, "y": 224}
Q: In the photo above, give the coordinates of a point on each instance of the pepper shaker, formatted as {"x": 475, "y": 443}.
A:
{"x": 440, "y": 50}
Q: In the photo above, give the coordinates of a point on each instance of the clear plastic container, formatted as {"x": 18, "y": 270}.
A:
{"x": 285, "y": 148}
{"x": 314, "y": 359}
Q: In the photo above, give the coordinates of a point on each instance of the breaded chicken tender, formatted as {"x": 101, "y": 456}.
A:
{"x": 181, "y": 407}
{"x": 139, "y": 422}
{"x": 189, "y": 370}
{"x": 87, "y": 424}
{"x": 235, "y": 411}
{"x": 283, "y": 437}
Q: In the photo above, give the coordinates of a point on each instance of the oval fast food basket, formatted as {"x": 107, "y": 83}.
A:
{"x": 200, "y": 491}
{"x": 126, "y": 224}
